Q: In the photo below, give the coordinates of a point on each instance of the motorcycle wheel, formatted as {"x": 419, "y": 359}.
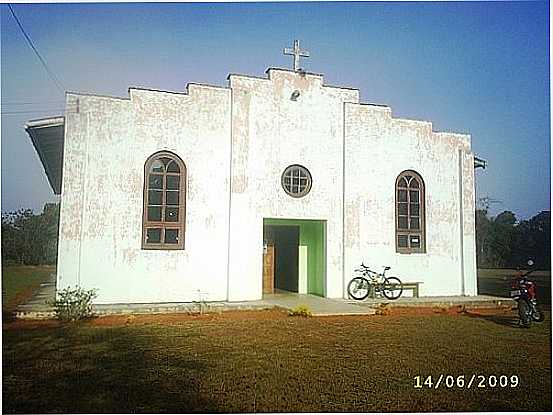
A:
{"x": 537, "y": 314}
{"x": 524, "y": 313}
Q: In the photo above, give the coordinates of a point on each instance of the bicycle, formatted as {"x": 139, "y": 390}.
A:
{"x": 359, "y": 288}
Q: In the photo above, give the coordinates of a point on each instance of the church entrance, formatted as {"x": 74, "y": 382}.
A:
{"x": 294, "y": 256}
{"x": 284, "y": 241}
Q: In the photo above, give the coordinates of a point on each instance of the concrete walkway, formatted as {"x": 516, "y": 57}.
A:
{"x": 38, "y": 307}
{"x": 318, "y": 306}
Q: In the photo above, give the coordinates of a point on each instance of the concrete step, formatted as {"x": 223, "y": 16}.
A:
{"x": 164, "y": 308}
{"x": 34, "y": 307}
{"x": 35, "y": 315}
{"x": 42, "y": 296}
{"x": 480, "y": 301}
{"x": 318, "y": 306}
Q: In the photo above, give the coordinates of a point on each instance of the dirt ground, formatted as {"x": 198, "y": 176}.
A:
{"x": 262, "y": 315}
{"x": 268, "y": 361}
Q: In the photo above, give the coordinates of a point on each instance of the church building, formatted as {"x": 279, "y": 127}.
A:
{"x": 276, "y": 182}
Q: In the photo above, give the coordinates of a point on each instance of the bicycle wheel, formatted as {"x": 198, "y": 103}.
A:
{"x": 392, "y": 288}
{"x": 358, "y": 288}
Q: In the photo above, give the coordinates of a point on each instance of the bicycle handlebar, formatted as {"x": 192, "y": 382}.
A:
{"x": 365, "y": 268}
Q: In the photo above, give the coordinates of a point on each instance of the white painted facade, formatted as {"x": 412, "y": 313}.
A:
{"x": 236, "y": 143}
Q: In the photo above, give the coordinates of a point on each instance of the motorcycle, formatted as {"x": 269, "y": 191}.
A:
{"x": 523, "y": 291}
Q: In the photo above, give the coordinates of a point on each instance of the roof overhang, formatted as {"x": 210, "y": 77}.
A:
{"x": 47, "y": 136}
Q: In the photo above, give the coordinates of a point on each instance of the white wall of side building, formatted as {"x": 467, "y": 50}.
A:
{"x": 107, "y": 142}
{"x": 380, "y": 147}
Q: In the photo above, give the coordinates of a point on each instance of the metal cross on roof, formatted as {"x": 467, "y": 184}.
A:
{"x": 297, "y": 52}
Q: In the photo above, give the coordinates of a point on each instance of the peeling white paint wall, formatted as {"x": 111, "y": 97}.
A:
{"x": 380, "y": 147}
{"x": 270, "y": 132}
{"x": 236, "y": 142}
{"x": 106, "y": 145}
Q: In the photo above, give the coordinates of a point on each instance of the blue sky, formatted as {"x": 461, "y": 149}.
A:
{"x": 478, "y": 68}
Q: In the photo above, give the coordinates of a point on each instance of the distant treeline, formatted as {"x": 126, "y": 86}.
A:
{"x": 501, "y": 241}
{"x": 30, "y": 239}
{"x": 504, "y": 242}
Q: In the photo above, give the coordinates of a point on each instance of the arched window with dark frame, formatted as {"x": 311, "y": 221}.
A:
{"x": 164, "y": 215}
{"x": 410, "y": 213}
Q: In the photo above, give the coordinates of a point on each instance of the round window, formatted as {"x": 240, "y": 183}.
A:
{"x": 296, "y": 180}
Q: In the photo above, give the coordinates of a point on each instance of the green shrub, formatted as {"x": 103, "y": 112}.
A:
{"x": 301, "y": 311}
{"x": 74, "y": 304}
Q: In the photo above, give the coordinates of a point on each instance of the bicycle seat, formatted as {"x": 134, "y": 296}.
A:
{"x": 386, "y": 268}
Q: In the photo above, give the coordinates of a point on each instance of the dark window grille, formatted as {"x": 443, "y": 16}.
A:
{"x": 296, "y": 180}
{"x": 410, "y": 214}
{"x": 163, "y": 220}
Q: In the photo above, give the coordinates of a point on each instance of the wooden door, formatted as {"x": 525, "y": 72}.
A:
{"x": 269, "y": 270}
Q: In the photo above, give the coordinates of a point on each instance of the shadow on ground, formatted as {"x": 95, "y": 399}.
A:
{"x": 104, "y": 371}
{"x": 264, "y": 362}
{"x": 507, "y": 320}
{"x": 8, "y": 316}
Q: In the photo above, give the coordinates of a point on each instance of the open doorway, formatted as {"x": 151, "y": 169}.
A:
{"x": 294, "y": 256}
{"x": 284, "y": 241}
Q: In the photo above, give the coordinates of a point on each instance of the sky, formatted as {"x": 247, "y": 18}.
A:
{"x": 471, "y": 67}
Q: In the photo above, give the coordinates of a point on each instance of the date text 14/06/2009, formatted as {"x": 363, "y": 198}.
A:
{"x": 466, "y": 381}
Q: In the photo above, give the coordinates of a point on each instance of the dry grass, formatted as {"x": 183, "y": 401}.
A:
{"x": 19, "y": 282}
{"x": 268, "y": 361}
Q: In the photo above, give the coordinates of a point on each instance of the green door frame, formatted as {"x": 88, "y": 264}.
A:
{"x": 312, "y": 250}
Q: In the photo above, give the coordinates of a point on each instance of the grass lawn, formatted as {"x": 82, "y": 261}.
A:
{"x": 267, "y": 361}
{"x": 19, "y": 282}
{"x": 498, "y": 282}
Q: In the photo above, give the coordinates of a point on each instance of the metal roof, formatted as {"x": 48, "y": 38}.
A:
{"x": 47, "y": 136}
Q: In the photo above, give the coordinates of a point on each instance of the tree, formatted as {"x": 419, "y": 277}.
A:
{"x": 483, "y": 225}
{"x": 50, "y": 218}
{"x": 506, "y": 218}
{"x": 534, "y": 240}
{"x": 502, "y": 242}
{"x": 501, "y": 236}
{"x": 494, "y": 238}
{"x": 30, "y": 239}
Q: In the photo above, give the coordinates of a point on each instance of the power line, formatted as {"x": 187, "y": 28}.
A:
{"x": 31, "y": 112}
{"x": 39, "y": 108}
{"x": 32, "y": 103}
{"x": 67, "y": 109}
{"x": 50, "y": 73}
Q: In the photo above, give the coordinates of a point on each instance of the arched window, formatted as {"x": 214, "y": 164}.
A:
{"x": 410, "y": 220}
{"x": 164, "y": 202}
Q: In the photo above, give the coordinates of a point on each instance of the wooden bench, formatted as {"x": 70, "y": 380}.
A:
{"x": 413, "y": 286}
